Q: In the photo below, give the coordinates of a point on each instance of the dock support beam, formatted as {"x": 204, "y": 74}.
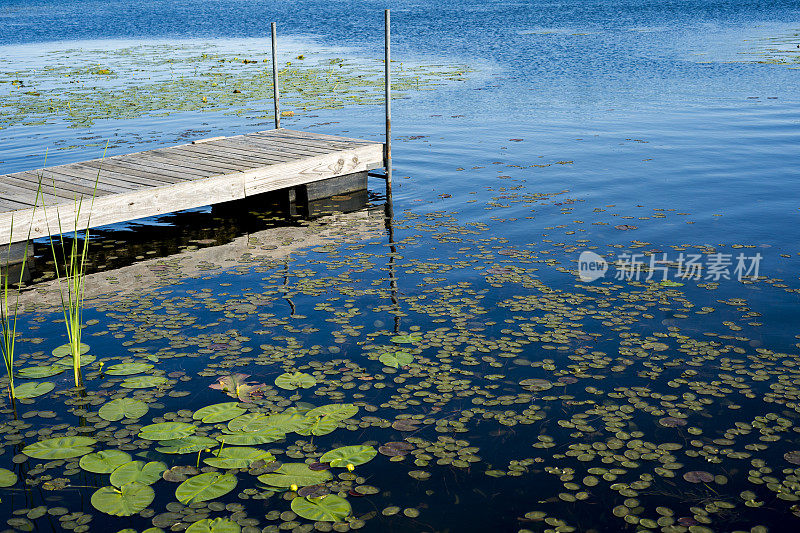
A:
{"x": 388, "y": 97}
{"x": 15, "y": 252}
{"x": 15, "y": 262}
{"x": 276, "y": 96}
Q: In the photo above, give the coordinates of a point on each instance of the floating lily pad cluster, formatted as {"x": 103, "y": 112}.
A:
{"x": 194, "y": 77}
{"x": 659, "y": 402}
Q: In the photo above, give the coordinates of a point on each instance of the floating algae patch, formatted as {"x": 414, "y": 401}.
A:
{"x": 80, "y": 86}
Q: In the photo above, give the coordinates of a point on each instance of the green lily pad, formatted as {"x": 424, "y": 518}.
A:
{"x": 167, "y": 431}
{"x": 253, "y": 422}
{"x": 203, "y": 487}
{"x": 353, "y": 455}
{"x": 396, "y": 360}
{"x": 59, "y": 448}
{"x": 251, "y": 438}
{"x": 38, "y": 372}
{"x": 7, "y": 478}
{"x": 299, "y": 474}
{"x": 323, "y": 420}
{"x": 329, "y": 508}
{"x": 125, "y": 501}
{"x": 339, "y": 411}
{"x": 220, "y": 412}
{"x": 138, "y": 471}
{"x": 104, "y": 461}
{"x": 406, "y": 339}
{"x": 123, "y": 408}
{"x": 191, "y": 444}
{"x": 321, "y": 425}
{"x": 250, "y": 422}
{"x": 126, "y": 369}
{"x": 143, "y": 382}
{"x": 295, "y": 381}
{"x": 216, "y": 525}
{"x": 32, "y": 390}
{"x": 286, "y": 421}
{"x": 66, "y": 350}
{"x": 238, "y": 457}
{"x": 66, "y": 361}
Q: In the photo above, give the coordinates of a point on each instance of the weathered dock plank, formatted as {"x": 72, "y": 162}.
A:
{"x": 154, "y": 182}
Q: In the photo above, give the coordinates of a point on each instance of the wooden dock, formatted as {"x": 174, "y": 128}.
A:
{"x": 155, "y": 182}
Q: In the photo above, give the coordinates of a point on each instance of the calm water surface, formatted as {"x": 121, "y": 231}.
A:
{"x": 621, "y": 128}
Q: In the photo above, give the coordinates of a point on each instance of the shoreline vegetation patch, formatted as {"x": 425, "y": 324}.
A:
{"x": 81, "y": 86}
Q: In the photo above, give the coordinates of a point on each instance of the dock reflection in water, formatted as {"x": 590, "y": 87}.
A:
{"x": 149, "y": 254}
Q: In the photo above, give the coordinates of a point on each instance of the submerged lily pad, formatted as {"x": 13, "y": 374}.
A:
{"x": 178, "y": 474}
{"x": 396, "y": 359}
{"x": 143, "y": 382}
{"x": 59, "y": 448}
{"x": 124, "y": 501}
{"x": 123, "y": 408}
{"x": 167, "y": 431}
{"x": 314, "y": 491}
{"x": 793, "y": 457}
{"x": 404, "y": 425}
{"x": 203, "y": 487}
{"x": 299, "y": 474}
{"x": 138, "y": 471}
{"x": 32, "y": 390}
{"x": 220, "y": 412}
{"x": 38, "y": 372}
{"x": 104, "y": 461}
{"x": 698, "y": 476}
{"x": 125, "y": 369}
{"x": 349, "y": 455}
{"x": 330, "y": 508}
{"x": 7, "y": 478}
{"x": 394, "y": 449}
{"x": 215, "y": 525}
{"x": 296, "y": 380}
{"x": 671, "y": 421}
{"x": 238, "y": 457}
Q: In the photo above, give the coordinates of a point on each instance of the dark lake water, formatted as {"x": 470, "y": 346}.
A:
{"x": 657, "y": 135}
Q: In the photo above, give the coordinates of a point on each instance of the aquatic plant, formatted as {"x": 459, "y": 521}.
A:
{"x": 294, "y": 381}
{"x": 235, "y": 386}
{"x": 8, "y": 316}
{"x": 73, "y": 274}
{"x": 329, "y": 508}
{"x": 187, "y": 78}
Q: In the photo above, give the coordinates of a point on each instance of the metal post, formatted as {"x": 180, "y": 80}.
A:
{"x": 276, "y": 97}
{"x": 388, "y": 97}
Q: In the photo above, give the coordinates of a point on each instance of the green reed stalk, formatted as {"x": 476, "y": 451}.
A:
{"x": 8, "y": 316}
{"x": 74, "y": 274}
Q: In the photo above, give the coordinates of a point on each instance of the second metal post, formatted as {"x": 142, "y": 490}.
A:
{"x": 388, "y": 96}
{"x": 275, "y": 78}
